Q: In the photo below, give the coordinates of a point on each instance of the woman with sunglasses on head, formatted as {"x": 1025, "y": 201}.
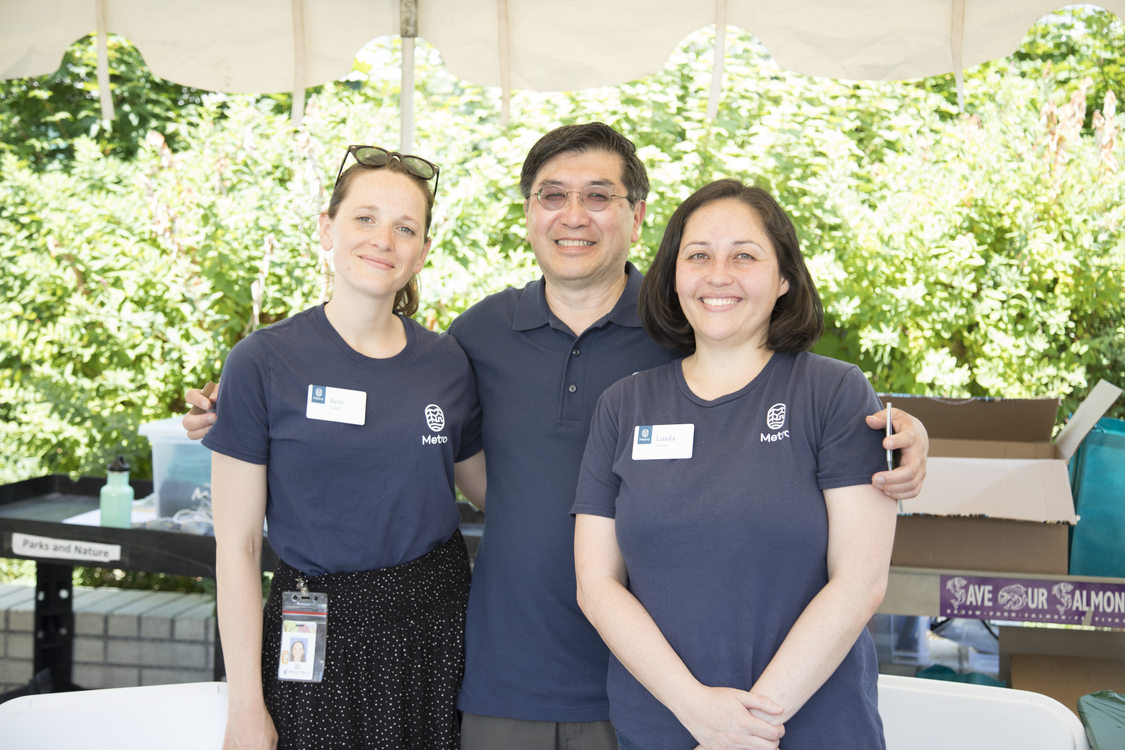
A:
{"x": 344, "y": 427}
{"x": 729, "y": 545}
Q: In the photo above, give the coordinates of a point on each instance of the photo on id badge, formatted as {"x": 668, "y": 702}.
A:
{"x": 298, "y": 650}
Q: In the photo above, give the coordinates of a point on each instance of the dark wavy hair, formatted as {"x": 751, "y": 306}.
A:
{"x": 406, "y": 299}
{"x": 591, "y": 136}
{"x": 798, "y": 316}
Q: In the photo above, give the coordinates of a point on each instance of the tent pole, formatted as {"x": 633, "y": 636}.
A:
{"x": 503, "y": 37}
{"x": 298, "y": 110}
{"x": 720, "y": 60}
{"x": 957, "y": 39}
{"x": 104, "y": 93}
{"x": 408, "y": 30}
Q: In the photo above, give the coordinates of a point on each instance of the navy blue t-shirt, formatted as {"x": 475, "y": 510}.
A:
{"x": 725, "y": 549}
{"x": 345, "y": 497}
{"x": 529, "y": 651}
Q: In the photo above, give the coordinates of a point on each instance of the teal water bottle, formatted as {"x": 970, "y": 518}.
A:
{"x": 117, "y": 495}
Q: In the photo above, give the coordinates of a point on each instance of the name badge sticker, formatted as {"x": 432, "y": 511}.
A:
{"x": 330, "y": 404}
{"x": 654, "y": 441}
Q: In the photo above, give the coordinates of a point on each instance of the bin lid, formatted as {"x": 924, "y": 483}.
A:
{"x": 169, "y": 430}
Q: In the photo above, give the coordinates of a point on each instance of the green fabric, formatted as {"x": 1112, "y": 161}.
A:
{"x": 1103, "y": 716}
{"x": 942, "y": 672}
{"x": 1097, "y": 478}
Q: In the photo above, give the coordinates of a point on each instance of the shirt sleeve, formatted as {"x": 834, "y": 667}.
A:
{"x": 598, "y": 482}
{"x": 471, "y": 440}
{"x": 242, "y": 428}
{"x": 849, "y": 451}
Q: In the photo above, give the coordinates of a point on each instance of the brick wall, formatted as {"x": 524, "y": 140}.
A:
{"x": 122, "y": 638}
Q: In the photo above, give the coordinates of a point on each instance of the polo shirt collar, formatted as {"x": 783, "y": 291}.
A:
{"x": 532, "y": 310}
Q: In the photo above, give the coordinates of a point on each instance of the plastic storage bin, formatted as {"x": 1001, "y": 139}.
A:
{"x": 181, "y": 468}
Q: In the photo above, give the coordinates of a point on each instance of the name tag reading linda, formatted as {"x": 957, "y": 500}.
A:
{"x": 336, "y": 404}
{"x": 652, "y": 441}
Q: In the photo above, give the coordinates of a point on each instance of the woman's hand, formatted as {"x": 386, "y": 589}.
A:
{"x": 729, "y": 719}
{"x": 250, "y": 728}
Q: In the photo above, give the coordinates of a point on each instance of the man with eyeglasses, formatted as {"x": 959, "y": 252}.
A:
{"x": 535, "y": 669}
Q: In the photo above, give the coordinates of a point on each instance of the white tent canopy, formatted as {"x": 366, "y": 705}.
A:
{"x": 270, "y": 46}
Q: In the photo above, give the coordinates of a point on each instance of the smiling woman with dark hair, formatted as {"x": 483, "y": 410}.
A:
{"x": 797, "y": 318}
{"x": 729, "y": 545}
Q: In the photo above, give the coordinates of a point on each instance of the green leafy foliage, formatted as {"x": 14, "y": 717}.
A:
{"x": 43, "y": 117}
{"x": 1003, "y": 276}
{"x": 123, "y": 277}
{"x": 956, "y": 254}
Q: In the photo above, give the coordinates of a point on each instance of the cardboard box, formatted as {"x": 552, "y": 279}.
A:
{"x": 181, "y": 468}
{"x": 1063, "y": 663}
{"x": 996, "y": 497}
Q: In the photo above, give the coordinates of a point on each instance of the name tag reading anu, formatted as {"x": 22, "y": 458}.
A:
{"x": 336, "y": 404}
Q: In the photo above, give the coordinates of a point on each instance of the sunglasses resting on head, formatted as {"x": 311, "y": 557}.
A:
{"x": 373, "y": 156}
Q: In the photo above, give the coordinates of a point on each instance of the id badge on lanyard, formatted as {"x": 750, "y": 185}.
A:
{"x": 304, "y": 634}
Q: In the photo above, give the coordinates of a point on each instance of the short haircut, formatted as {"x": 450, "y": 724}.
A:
{"x": 406, "y": 299}
{"x": 798, "y": 316}
{"x": 591, "y": 136}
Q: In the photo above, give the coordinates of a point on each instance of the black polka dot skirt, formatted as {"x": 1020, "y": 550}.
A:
{"x": 394, "y": 658}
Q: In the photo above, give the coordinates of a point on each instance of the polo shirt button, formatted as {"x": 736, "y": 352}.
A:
{"x": 575, "y": 352}
{"x": 572, "y": 388}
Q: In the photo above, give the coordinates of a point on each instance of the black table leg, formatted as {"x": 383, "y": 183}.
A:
{"x": 53, "y": 633}
{"x": 54, "y": 626}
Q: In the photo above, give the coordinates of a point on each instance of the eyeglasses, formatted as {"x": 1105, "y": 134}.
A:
{"x": 373, "y": 156}
{"x": 594, "y": 199}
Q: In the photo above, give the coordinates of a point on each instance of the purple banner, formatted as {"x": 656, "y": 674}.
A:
{"x": 1034, "y": 600}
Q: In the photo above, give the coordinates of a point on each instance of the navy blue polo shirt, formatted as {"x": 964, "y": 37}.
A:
{"x": 529, "y": 652}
